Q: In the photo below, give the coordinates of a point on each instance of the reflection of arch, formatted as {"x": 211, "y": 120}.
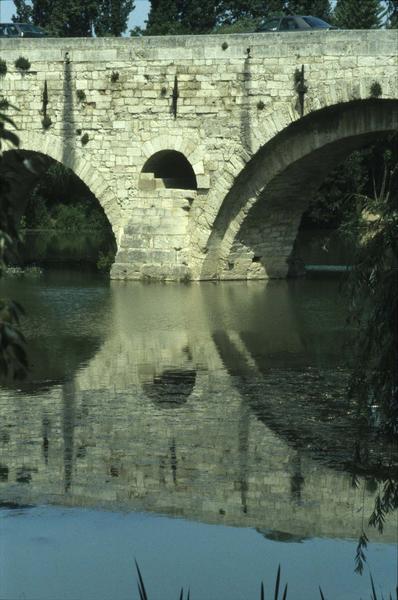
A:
{"x": 315, "y": 428}
{"x": 277, "y": 183}
{"x": 171, "y": 388}
{"x": 173, "y": 168}
{"x": 72, "y": 158}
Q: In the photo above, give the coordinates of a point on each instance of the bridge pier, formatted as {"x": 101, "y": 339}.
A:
{"x": 155, "y": 242}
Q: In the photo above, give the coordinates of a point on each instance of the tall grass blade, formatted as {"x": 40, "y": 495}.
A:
{"x": 278, "y": 579}
{"x": 189, "y": 594}
{"x": 374, "y": 595}
{"x": 321, "y": 593}
{"x": 262, "y": 597}
{"x": 284, "y": 593}
{"x": 140, "y": 584}
{"x": 182, "y": 594}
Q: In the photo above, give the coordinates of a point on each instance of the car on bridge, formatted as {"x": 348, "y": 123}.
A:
{"x": 294, "y": 23}
{"x": 14, "y": 30}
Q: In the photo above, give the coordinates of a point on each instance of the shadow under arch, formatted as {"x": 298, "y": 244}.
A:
{"x": 51, "y": 146}
{"x": 277, "y": 184}
{"x": 173, "y": 168}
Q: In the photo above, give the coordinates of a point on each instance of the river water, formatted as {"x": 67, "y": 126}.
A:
{"x": 200, "y": 429}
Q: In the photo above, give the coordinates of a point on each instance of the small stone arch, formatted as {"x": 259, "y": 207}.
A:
{"x": 277, "y": 183}
{"x": 192, "y": 150}
{"x": 171, "y": 167}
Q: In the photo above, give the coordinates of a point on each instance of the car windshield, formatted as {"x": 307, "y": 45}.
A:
{"x": 315, "y": 22}
{"x": 30, "y": 28}
{"x": 270, "y": 24}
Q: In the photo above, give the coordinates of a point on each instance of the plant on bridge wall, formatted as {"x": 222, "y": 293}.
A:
{"x": 46, "y": 122}
{"x": 44, "y": 99}
{"x": 22, "y": 63}
{"x": 174, "y": 97}
{"x": 3, "y": 67}
{"x": 81, "y": 95}
{"x": 375, "y": 90}
{"x": 85, "y": 139}
{"x": 301, "y": 87}
{"x": 260, "y": 105}
{"x": 114, "y": 76}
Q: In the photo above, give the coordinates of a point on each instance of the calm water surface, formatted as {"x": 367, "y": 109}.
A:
{"x": 202, "y": 429}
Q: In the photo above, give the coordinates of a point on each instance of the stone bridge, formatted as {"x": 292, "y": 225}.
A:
{"x": 204, "y": 151}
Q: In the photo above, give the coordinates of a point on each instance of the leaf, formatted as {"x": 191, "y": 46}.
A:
{"x": 140, "y": 584}
{"x": 278, "y": 578}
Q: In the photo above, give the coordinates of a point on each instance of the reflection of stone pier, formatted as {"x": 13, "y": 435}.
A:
{"x": 107, "y": 437}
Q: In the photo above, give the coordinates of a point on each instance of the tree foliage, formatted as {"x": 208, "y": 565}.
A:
{"x": 189, "y": 16}
{"x": 351, "y": 14}
{"x": 173, "y": 17}
{"x": 391, "y": 14}
{"x": 13, "y": 361}
{"x": 373, "y": 295}
{"x": 112, "y": 17}
{"x": 76, "y": 18}
{"x": 317, "y": 8}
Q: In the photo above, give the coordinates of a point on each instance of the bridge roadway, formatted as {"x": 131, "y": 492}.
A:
{"x": 202, "y": 150}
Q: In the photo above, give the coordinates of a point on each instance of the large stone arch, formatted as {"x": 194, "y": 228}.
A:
{"x": 71, "y": 157}
{"x": 274, "y": 187}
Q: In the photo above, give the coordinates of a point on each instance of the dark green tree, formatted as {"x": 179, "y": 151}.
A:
{"x": 62, "y": 19}
{"x": 112, "y": 17}
{"x": 374, "y": 289}
{"x": 391, "y": 14}
{"x": 13, "y": 361}
{"x": 164, "y": 18}
{"x": 76, "y": 18}
{"x": 174, "y": 17}
{"x": 351, "y": 14}
{"x": 236, "y": 11}
{"x": 317, "y": 8}
{"x": 189, "y": 16}
{"x": 23, "y": 12}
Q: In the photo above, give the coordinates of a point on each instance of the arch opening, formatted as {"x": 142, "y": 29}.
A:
{"x": 62, "y": 221}
{"x": 255, "y": 229}
{"x": 169, "y": 169}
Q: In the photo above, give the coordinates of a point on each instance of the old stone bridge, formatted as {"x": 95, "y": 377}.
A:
{"x": 204, "y": 151}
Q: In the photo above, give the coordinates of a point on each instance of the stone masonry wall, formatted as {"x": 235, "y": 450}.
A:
{"x": 235, "y": 94}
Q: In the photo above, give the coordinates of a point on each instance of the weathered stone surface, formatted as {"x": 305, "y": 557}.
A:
{"x": 237, "y": 123}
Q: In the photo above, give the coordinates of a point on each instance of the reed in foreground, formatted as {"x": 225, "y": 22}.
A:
{"x": 278, "y": 593}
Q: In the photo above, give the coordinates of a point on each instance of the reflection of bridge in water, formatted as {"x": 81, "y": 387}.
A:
{"x": 177, "y": 413}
